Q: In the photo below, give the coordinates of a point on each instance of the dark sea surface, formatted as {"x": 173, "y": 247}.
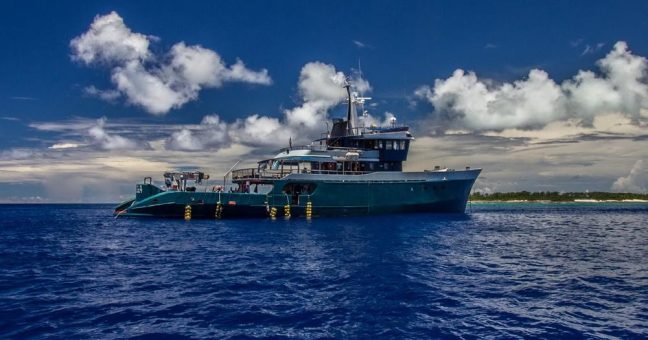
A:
{"x": 502, "y": 270}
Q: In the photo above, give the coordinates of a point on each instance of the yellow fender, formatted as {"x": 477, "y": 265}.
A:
{"x": 219, "y": 210}
{"x": 287, "y": 210}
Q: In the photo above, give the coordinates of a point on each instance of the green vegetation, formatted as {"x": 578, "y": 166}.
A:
{"x": 555, "y": 196}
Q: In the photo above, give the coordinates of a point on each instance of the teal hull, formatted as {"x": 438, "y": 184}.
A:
{"x": 331, "y": 197}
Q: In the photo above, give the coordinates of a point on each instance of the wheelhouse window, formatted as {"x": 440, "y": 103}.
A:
{"x": 328, "y": 166}
{"x": 305, "y": 167}
{"x": 389, "y": 145}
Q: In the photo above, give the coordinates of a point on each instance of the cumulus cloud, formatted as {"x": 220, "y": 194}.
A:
{"x": 212, "y": 133}
{"x": 257, "y": 130}
{"x": 107, "y": 141}
{"x": 636, "y": 181}
{"x": 464, "y": 100}
{"x": 320, "y": 86}
{"x": 150, "y": 88}
{"x": 370, "y": 120}
{"x": 238, "y": 72}
{"x": 157, "y": 83}
{"x": 110, "y": 41}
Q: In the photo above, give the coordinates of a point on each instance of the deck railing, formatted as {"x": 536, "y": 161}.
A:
{"x": 312, "y": 147}
{"x": 262, "y": 174}
{"x": 253, "y": 173}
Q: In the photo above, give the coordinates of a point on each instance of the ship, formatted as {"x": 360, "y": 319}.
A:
{"x": 352, "y": 169}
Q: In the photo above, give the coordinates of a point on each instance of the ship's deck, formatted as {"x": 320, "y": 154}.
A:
{"x": 253, "y": 175}
{"x": 265, "y": 176}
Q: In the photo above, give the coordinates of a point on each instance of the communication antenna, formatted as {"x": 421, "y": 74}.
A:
{"x": 360, "y": 99}
{"x": 359, "y": 68}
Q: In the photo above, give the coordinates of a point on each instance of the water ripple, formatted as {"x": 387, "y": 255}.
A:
{"x": 508, "y": 270}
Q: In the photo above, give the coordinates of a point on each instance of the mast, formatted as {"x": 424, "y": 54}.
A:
{"x": 352, "y": 115}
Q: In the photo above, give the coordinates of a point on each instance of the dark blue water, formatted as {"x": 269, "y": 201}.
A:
{"x": 508, "y": 270}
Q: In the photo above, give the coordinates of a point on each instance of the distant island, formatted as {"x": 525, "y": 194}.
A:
{"x": 526, "y": 196}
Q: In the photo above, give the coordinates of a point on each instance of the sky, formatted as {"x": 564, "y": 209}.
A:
{"x": 543, "y": 95}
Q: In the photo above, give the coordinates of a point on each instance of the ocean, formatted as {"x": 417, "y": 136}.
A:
{"x": 506, "y": 270}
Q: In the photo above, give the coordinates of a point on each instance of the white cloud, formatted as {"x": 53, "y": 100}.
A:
{"x": 260, "y": 131}
{"x": 592, "y": 48}
{"x": 108, "y": 141}
{"x": 211, "y": 133}
{"x": 370, "y": 120}
{"x": 59, "y": 146}
{"x": 158, "y": 83}
{"x": 359, "y": 43}
{"x": 463, "y": 100}
{"x": 636, "y": 181}
{"x": 185, "y": 140}
{"x": 514, "y": 164}
{"x": 149, "y": 90}
{"x": 321, "y": 82}
{"x": 360, "y": 84}
{"x": 90, "y": 175}
{"x": 321, "y": 87}
{"x": 532, "y": 102}
{"x": 610, "y": 125}
{"x": 63, "y": 126}
{"x": 197, "y": 66}
{"x": 110, "y": 41}
{"x": 238, "y": 72}
{"x": 107, "y": 95}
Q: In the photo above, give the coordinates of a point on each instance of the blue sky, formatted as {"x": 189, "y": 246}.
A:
{"x": 405, "y": 49}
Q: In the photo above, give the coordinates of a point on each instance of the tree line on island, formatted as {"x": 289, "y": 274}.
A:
{"x": 554, "y": 196}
